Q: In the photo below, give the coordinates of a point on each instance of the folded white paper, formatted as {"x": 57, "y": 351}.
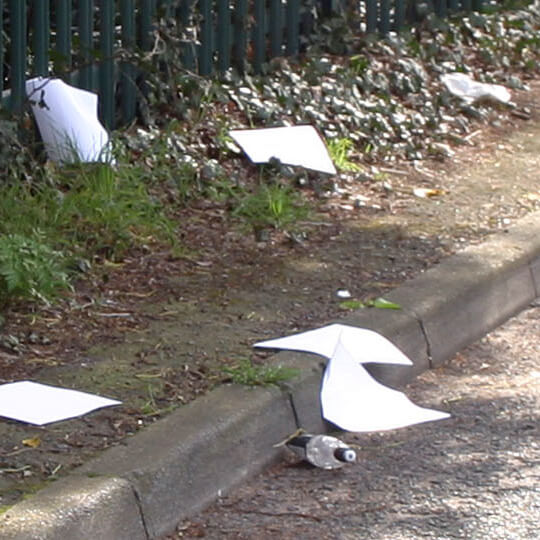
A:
{"x": 67, "y": 120}
{"x": 350, "y": 397}
{"x": 354, "y": 401}
{"x": 294, "y": 145}
{"x": 365, "y": 346}
{"x": 41, "y": 404}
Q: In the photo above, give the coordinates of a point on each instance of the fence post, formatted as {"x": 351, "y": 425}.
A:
{"x": 384, "y": 17}
{"x": 399, "y": 21}
{"x": 18, "y": 53}
{"x": 1, "y": 49}
{"x": 240, "y": 22}
{"x": 128, "y": 71}
{"x": 62, "y": 63}
{"x": 86, "y": 39}
{"x": 259, "y": 33}
{"x": 293, "y": 26}
{"x": 276, "y": 28}
{"x": 40, "y": 35}
{"x": 223, "y": 35}
{"x": 466, "y": 5}
{"x": 477, "y": 5}
{"x": 188, "y": 56}
{"x": 371, "y": 16}
{"x": 206, "y": 48}
{"x": 106, "y": 68}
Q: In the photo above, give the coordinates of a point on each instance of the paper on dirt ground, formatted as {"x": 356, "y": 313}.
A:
{"x": 294, "y": 145}
{"x": 67, "y": 120}
{"x": 469, "y": 90}
{"x": 365, "y": 346}
{"x": 39, "y": 404}
{"x": 354, "y": 401}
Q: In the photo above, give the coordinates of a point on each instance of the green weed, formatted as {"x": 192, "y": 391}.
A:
{"x": 252, "y": 375}
{"x": 272, "y": 206}
{"x": 340, "y": 150}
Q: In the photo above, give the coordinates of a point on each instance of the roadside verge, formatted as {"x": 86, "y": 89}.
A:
{"x": 142, "y": 488}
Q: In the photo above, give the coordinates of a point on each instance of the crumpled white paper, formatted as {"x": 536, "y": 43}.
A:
{"x": 67, "y": 120}
{"x": 469, "y": 90}
{"x": 41, "y": 404}
{"x": 293, "y": 145}
{"x": 350, "y": 397}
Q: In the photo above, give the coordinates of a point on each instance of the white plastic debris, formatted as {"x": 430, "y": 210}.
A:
{"x": 67, "y": 120}
{"x": 469, "y": 90}
{"x": 293, "y": 145}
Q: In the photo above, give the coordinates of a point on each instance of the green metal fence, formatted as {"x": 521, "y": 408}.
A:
{"x": 85, "y": 42}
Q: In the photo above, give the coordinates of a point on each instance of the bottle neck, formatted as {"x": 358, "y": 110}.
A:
{"x": 347, "y": 455}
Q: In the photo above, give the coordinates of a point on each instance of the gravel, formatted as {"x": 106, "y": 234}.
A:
{"x": 475, "y": 476}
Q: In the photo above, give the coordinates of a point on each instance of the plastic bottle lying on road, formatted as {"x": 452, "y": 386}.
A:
{"x": 322, "y": 451}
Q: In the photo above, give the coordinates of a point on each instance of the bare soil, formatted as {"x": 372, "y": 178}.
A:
{"x": 156, "y": 331}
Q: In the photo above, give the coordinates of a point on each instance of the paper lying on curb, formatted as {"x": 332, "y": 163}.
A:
{"x": 350, "y": 397}
{"x": 469, "y": 90}
{"x": 353, "y": 400}
{"x": 41, "y": 404}
{"x": 294, "y": 145}
{"x": 365, "y": 346}
{"x": 67, "y": 120}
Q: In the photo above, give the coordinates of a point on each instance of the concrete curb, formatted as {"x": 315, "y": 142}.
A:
{"x": 177, "y": 466}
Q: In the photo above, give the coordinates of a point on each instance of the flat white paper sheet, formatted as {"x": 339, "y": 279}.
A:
{"x": 41, "y": 404}
{"x": 67, "y": 120}
{"x": 365, "y": 346}
{"x": 294, "y": 145}
{"x": 469, "y": 90}
{"x": 354, "y": 401}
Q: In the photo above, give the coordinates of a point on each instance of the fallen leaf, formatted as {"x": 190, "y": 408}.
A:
{"x": 427, "y": 193}
{"x": 34, "y": 442}
{"x": 352, "y": 304}
{"x": 382, "y": 303}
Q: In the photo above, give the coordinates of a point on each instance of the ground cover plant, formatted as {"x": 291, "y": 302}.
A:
{"x": 159, "y": 286}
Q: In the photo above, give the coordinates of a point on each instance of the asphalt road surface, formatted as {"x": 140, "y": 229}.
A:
{"x": 474, "y": 476}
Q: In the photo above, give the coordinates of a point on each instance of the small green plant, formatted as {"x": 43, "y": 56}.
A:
{"x": 30, "y": 269}
{"x": 245, "y": 372}
{"x": 340, "y": 150}
{"x": 272, "y": 206}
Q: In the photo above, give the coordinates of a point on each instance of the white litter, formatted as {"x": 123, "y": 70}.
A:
{"x": 67, "y": 120}
{"x": 469, "y": 90}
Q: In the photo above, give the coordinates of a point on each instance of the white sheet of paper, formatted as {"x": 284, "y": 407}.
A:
{"x": 354, "y": 401}
{"x": 41, "y": 404}
{"x": 67, "y": 121}
{"x": 294, "y": 145}
{"x": 365, "y": 346}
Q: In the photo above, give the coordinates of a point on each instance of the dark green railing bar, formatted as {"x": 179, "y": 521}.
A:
{"x": 466, "y": 5}
{"x": 86, "y": 43}
{"x": 453, "y": 5}
{"x": 400, "y": 14}
{"x": 63, "y": 37}
{"x": 240, "y": 21}
{"x": 188, "y": 49}
{"x": 440, "y": 8}
{"x": 146, "y": 38}
{"x": 223, "y": 35}
{"x": 1, "y": 49}
{"x": 276, "y": 28}
{"x": 371, "y": 16}
{"x": 106, "y": 67}
{"x": 384, "y": 16}
{"x": 17, "y": 12}
{"x": 40, "y": 36}
{"x": 477, "y": 5}
{"x": 293, "y": 27}
{"x": 206, "y": 47}
{"x": 259, "y": 35}
{"x": 128, "y": 71}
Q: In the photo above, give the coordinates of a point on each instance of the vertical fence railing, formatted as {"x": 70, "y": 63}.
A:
{"x": 92, "y": 44}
